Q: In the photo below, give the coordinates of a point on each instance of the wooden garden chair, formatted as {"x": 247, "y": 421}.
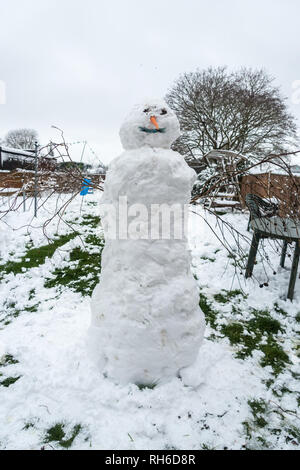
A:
{"x": 266, "y": 223}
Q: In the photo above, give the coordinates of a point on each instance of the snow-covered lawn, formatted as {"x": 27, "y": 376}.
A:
{"x": 243, "y": 392}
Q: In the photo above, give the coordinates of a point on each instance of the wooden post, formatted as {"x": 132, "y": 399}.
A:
{"x": 294, "y": 271}
{"x": 252, "y": 254}
{"x": 249, "y": 224}
{"x": 283, "y": 254}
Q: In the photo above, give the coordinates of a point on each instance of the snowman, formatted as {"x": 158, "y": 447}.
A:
{"x": 146, "y": 321}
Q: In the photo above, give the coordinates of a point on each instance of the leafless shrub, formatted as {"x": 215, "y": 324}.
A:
{"x": 19, "y": 187}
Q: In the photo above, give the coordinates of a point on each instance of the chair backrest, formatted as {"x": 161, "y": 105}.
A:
{"x": 259, "y": 207}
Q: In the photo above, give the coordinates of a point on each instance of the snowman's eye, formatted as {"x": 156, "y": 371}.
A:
{"x": 146, "y": 110}
{"x": 163, "y": 111}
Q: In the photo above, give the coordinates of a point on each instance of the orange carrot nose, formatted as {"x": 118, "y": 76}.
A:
{"x": 154, "y": 121}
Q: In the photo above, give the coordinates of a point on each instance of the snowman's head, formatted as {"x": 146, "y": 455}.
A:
{"x": 152, "y": 123}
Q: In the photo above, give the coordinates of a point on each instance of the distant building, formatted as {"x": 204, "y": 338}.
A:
{"x": 12, "y": 159}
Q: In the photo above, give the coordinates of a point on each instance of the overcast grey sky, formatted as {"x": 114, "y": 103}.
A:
{"x": 80, "y": 65}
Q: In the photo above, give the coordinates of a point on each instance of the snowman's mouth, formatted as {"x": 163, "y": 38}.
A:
{"x": 152, "y": 131}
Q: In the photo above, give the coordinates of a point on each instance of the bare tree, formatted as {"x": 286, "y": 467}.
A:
{"x": 21, "y": 139}
{"x": 240, "y": 111}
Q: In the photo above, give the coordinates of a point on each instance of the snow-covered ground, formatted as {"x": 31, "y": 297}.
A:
{"x": 242, "y": 393}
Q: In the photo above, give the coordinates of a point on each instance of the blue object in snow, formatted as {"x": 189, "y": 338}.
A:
{"x": 87, "y": 187}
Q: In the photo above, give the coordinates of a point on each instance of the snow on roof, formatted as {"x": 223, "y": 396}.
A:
{"x": 18, "y": 151}
{"x": 224, "y": 153}
{"x": 23, "y": 153}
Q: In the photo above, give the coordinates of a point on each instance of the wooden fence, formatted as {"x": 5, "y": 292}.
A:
{"x": 12, "y": 182}
{"x": 283, "y": 188}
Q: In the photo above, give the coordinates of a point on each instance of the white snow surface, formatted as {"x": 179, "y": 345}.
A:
{"x": 60, "y": 384}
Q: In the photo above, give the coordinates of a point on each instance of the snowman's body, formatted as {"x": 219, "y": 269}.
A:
{"x": 146, "y": 320}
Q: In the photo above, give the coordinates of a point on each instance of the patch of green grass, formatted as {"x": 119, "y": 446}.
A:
{"x": 226, "y": 296}
{"x": 221, "y": 298}
{"x": 258, "y": 407}
{"x": 94, "y": 240}
{"x": 297, "y": 317}
{"x": 264, "y": 323}
{"x": 280, "y": 391}
{"x": 238, "y": 335}
{"x": 206, "y": 258}
{"x": 92, "y": 220}
{"x": 57, "y": 434}
{"x": 234, "y": 332}
{"x": 82, "y": 277}
{"x": 31, "y": 294}
{"x": 36, "y": 256}
{"x": 247, "y": 429}
{"x": 9, "y": 381}
{"x": 236, "y": 310}
{"x": 209, "y": 312}
{"x": 8, "y": 360}
{"x": 10, "y": 311}
{"x": 280, "y": 310}
{"x": 293, "y": 435}
{"x": 254, "y": 425}
{"x": 28, "y": 425}
{"x": 33, "y": 308}
{"x": 263, "y": 423}
{"x": 274, "y": 356}
{"x": 248, "y": 336}
{"x": 295, "y": 375}
{"x": 150, "y": 386}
